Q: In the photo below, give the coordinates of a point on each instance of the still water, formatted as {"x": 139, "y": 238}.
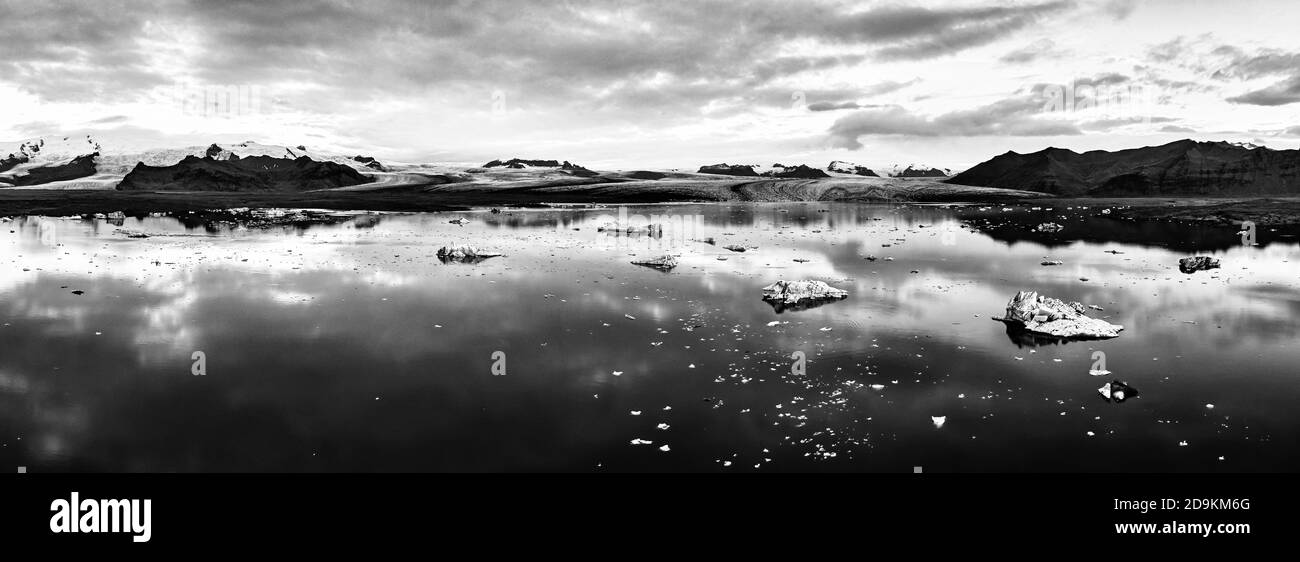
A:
{"x": 352, "y": 347}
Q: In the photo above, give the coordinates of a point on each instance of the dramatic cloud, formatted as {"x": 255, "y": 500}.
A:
{"x": 1281, "y": 93}
{"x": 546, "y": 50}
{"x": 1021, "y": 116}
{"x": 606, "y": 79}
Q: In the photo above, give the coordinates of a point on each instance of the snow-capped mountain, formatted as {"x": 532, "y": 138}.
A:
{"x": 45, "y": 160}
{"x": 917, "y": 171}
{"x": 80, "y": 162}
{"x": 842, "y": 167}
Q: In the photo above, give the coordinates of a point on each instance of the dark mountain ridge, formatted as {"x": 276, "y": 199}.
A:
{"x": 254, "y": 173}
{"x": 1184, "y": 167}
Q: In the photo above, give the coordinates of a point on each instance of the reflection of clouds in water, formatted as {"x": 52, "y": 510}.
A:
{"x": 305, "y": 334}
{"x": 13, "y": 383}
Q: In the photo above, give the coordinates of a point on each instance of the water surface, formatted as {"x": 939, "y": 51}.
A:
{"x": 351, "y": 347}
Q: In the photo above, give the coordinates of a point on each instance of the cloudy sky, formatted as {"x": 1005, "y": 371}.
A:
{"x": 658, "y": 83}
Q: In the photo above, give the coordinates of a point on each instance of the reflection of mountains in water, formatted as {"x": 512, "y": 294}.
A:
{"x": 815, "y": 215}
{"x": 1166, "y": 235}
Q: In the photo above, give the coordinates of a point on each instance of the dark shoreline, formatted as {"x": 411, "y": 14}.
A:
{"x": 138, "y": 203}
{"x": 1264, "y": 211}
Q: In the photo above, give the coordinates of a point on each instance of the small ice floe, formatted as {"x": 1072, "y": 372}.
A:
{"x": 1091, "y": 434}
{"x": 1182, "y": 443}
{"x": 468, "y": 254}
{"x": 662, "y": 263}
{"x": 641, "y": 442}
{"x": 636, "y": 412}
{"x": 618, "y": 373}
{"x": 1198, "y": 263}
{"x": 665, "y": 449}
{"x": 1209, "y": 406}
{"x": 629, "y": 317}
{"x": 1117, "y": 391}
{"x": 662, "y": 426}
{"x": 793, "y": 292}
{"x": 877, "y": 387}
{"x": 1098, "y": 372}
{"x": 773, "y": 323}
{"x": 939, "y": 421}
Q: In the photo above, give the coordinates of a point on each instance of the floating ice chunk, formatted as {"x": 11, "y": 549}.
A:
{"x": 1198, "y": 263}
{"x": 791, "y": 292}
{"x": 664, "y": 263}
{"x": 641, "y": 442}
{"x": 939, "y": 421}
{"x": 1117, "y": 391}
{"x": 1053, "y": 317}
{"x": 464, "y": 253}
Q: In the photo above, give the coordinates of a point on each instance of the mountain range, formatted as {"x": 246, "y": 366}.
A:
{"x": 1183, "y": 167}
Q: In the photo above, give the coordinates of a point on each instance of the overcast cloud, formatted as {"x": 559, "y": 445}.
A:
{"x": 629, "y": 83}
